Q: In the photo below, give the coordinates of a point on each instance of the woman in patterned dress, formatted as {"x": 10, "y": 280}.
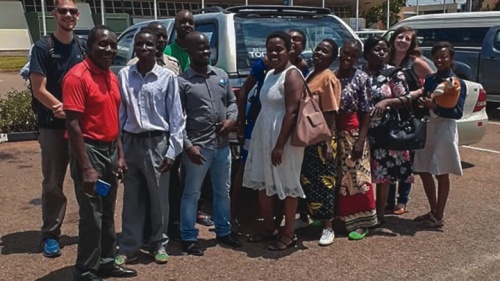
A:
{"x": 318, "y": 176}
{"x": 356, "y": 202}
{"x": 389, "y": 89}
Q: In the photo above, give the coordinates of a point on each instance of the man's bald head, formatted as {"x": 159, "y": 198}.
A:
{"x": 184, "y": 23}
{"x": 198, "y": 48}
{"x": 161, "y": 32}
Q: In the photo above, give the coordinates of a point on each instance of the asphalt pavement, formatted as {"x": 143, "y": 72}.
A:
{"x": 467, "y": 248}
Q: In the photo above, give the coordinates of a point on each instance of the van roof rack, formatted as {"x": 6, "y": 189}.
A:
{"x": 279, "y": 10}
{"x": 213, "y": 9}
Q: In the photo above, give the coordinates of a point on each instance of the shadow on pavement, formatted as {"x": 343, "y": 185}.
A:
{"x": 29, "y": 242}
{"x": 404, "y": 226}
{"x": 62, "y": 274}
{"x": 466, "y": 165}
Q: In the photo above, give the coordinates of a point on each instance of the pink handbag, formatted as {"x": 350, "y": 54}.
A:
{"x": 311, "y": 127}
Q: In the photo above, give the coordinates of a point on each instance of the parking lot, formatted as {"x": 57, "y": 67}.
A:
{"x": 468, "y": 248}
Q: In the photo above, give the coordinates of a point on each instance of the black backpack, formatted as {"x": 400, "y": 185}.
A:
{"x": 35, "y": 104}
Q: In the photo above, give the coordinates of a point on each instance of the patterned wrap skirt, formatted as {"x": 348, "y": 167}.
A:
{"x": 356, "y": 200}
{"x": 318, "y": 179}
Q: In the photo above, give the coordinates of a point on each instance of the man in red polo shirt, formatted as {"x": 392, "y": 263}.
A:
{"x": 91, "y": 100}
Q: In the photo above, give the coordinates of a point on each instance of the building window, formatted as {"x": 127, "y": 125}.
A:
{"x": 342, "y": 11}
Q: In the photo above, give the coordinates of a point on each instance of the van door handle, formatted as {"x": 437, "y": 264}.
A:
{"x": 491, "y": 58}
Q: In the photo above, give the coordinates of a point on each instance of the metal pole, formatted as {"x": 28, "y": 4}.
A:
{"x": 470, "y": 5}
{"x": 417, "y": 8}
{"x": 444, "y": 6}
{"x": 388, "y": 14}
{"x": 357, "y": 15}
{"x": 103, "y": 19}
{"x": 44, "y": 24}
{"x": 323, "y": 4}
{"x": 155, "y": 10}
{"x": 203, "y": 4}
{"x": 246, "y": 2}
{"x": 291, "y": 2}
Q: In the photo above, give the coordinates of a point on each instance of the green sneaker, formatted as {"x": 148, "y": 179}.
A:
{"x": 355, "y": 235}
{"x": 317, "y": 223}
{"x": 123, "y": 259}
{"x": 161, "y": 256}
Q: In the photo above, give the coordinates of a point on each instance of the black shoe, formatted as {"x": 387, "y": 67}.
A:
{"x": 118, "y": 271}
{"x": 86, "y": 276}
{"x": 192, "y": 248}
{"x": 229, "y": 240}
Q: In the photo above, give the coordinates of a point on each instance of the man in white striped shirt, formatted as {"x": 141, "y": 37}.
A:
{"x": 152, "y": 123}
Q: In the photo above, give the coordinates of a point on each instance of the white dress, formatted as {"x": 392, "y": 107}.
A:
{"x": 440, "y": 155}
{"x": 260, "y": 174}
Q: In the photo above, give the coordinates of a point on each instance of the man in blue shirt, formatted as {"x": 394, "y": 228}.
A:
{"x": 50, "y": 59}
{"x": 152, "y": 121}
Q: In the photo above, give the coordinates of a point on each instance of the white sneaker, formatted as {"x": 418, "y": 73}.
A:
{"x": 327, "y": 237}
{"x": 298, "y": 224}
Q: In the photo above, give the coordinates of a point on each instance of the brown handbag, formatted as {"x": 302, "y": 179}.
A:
{"x": 311, "y": 127}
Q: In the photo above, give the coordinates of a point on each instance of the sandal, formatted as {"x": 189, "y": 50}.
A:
{"x": 400, "y": 209}
{"x": 432, "y": 222}
{"x": 261, "y": 237}
{"x": 423, "y": 217}
{"x": 358, "y": 235}
{"x": 281, "y": 244}
{"x": 204, "y": 219}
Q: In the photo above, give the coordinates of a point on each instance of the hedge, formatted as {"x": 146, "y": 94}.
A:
{"x": 16, "y": 114}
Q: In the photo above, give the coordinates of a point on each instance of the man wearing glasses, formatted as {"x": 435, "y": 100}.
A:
{"x": 51, "y": 58}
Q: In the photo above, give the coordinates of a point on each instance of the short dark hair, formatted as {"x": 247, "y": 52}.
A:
{"x": 371, "y": 42}
{"x": 282, "y": 35}
{"x": 335, "y": 51}
{"x": 355, "y": 43}
{"x": 146, "y": 30}
{"x": 93, "y": 32}
{"x": 443, "y": 44}
{"x": 303, "y": 34}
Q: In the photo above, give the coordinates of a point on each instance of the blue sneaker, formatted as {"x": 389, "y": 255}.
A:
{"x": 51, "y": 248}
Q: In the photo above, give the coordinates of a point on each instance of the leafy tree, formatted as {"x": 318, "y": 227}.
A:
{"x": 379, "y": 12}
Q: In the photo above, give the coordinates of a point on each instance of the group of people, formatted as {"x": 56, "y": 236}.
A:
{"x": 165, "y": 120}
{"x": 339, "y": 178}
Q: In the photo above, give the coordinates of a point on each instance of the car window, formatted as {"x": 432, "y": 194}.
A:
{"x": 251, "y": 35}
{"x": 458, "y": 37}
{"x": 496, "y": 41}
{"x": 124, "y": 45}
{"x": 210, "y": 30}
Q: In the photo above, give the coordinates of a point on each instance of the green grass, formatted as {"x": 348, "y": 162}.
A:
{"x": 12, "y": 63}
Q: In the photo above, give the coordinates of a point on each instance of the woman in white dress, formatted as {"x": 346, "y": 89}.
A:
{"x": 273, "y": 165}
{"x": 440, "y": 156}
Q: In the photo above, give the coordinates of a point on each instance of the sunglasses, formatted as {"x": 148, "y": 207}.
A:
{"x": 64, "y": 11}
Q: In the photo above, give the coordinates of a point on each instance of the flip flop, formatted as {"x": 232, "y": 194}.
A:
{"x": 281, "y": 245}
{"x": 354, "y": 235}
{"x": 204, "y": 219}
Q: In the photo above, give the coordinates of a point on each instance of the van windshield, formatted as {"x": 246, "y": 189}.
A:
{"x": 251, "y": 35}
{"x": 458, "y": 37}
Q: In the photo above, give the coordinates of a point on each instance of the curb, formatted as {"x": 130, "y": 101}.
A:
{"x": 19, "y": 136}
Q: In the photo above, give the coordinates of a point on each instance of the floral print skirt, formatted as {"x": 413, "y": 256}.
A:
{"x": 356, "y": 200}
{"x": 318, "y": 179}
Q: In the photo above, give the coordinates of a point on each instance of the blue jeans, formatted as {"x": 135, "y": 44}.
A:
{"x": 404, "y": 189}
{"x": 218, "y": 162}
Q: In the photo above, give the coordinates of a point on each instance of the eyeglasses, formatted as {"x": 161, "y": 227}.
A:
{"x": 64, "y": 11}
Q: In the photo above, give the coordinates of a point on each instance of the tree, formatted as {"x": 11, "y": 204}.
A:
{"x": 379, "y": 12}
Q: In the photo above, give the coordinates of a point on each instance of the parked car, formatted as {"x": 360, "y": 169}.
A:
{"x": 476, "y": 37}
{"x": 238, "y": 34}
{"x": 365, "y": 33}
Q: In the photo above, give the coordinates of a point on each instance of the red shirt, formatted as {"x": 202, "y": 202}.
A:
{"x": 95, "y": 93}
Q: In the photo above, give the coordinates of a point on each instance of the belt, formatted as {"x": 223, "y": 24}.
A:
{"x": 99, "y": 143}
{"x": 149, "y": 134}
